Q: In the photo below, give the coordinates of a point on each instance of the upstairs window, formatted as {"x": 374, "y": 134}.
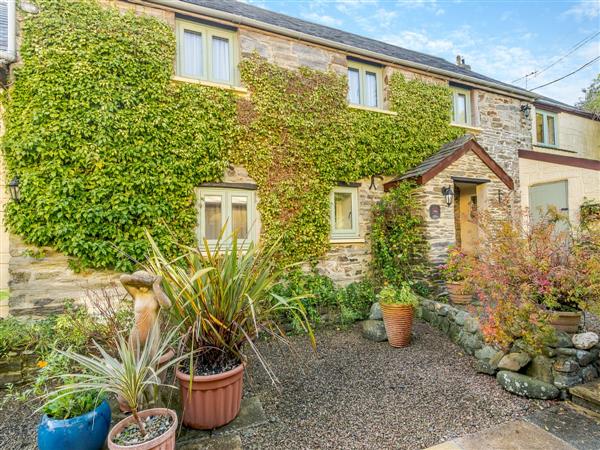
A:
{"x": 365, "y": 85}
{"x": 545, "y": 128}
{"x": 461, "y": 106}
{"x": 206, "y": 53}
{"x": 344, "y": 213}
{"x": 3, "y": 26}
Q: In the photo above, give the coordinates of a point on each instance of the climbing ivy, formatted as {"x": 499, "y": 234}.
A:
{"x": 106, "y": 144}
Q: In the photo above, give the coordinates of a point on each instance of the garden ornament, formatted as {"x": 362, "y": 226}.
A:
{"x": 148, "y": 297}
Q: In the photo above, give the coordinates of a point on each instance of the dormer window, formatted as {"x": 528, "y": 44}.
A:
{"x": 461, "y": 106}
{"x": 365, "y": 84}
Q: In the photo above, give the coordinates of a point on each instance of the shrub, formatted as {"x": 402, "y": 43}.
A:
{"x": 355, "y": 301}
{"x": 457, "y": 267}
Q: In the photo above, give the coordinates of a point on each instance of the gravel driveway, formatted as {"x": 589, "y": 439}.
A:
{"x": 355, "y": 393}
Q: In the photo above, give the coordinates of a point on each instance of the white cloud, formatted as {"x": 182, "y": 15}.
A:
{"x": 322, "y": 18}
{"x": 585, "y": 9}
{"x": 419, "y": 41}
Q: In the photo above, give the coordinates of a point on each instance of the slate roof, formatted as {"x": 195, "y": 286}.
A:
{"x": 447, "y": 149}
{"x": 342, "y": 37}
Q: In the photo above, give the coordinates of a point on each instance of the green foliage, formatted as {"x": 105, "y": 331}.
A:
{"x": 355, "y": 301}
{"x": 106, "y": 145}
{"x": 403, "y": 296}
{"x": 591, "y": 101}
{"x": 72, "y": 404}
{"x": 398, "y": 242}
{"x": 15, "y": 335}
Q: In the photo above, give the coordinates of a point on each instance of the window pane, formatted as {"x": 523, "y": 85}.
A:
{"x": 192, "y": 53}
{"x": 551, "y": 130}
{"x": 220, "y": 59}
{"x": 539, "y": 127}
{"x": 239, "y": 219}
{"x": 371, "y": 89}
{"x": 353, "y": 86}
{"x": 212, "y": 216}
{"x": 342, "y": 211}
{"x": 460, "y": 108}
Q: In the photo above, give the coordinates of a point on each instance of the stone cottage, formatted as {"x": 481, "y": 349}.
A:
{"x": 212, "y": 37}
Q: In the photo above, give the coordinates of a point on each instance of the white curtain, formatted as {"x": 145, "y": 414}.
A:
{"x": 353, "y": 86}
{"x": 220, "y": 59}
{"x": 192, "y": 53}
{"x": 371, "y": 89}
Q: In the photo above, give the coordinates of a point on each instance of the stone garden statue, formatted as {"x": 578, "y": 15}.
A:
{"x": 148, "y": 297}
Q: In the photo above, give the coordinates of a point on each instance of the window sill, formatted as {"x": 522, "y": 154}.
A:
{"x": 347, "y": 241}
{"x": 236, "y": 89}
{"x": 467, "y": 127}
{"x": 368, "y": 108}
{"x": 550, "y": 147}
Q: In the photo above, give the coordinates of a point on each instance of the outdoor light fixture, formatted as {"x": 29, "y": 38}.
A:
{"x": 448, "y": 194}
{"x": 526, "y": 109}
{"x": 13, "y": 187}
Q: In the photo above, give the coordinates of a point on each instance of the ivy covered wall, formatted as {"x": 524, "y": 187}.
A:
{"x": 105, "y": 144}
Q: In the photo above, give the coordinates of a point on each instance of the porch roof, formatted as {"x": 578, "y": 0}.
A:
{"x": 449, "y": 153}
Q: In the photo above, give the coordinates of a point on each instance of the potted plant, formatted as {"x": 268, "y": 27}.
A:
{"x": 223, "y": 297}
{"x": 455, "y": 272}
{"x": 135, "y": 377}
{"x": 398, "y": 308}
{"x": 76, "y": 420}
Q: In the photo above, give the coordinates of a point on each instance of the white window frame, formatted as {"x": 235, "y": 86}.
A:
{"x": 545, "y": 115}
{"x": 226, "y": 211}
{"x": 353, "y": 233}
{"x": 469, "y": 115}
{"x": 8, "y": 52}
{"x": 362, "y": 76}
{"x": 208, "y": 32}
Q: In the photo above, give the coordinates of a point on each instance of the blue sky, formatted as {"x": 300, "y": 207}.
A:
{"x": 502, "y": 39}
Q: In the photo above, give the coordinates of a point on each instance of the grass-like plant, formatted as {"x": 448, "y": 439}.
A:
{"x": 223, "y": 297}
{"x": 134, "y": 374}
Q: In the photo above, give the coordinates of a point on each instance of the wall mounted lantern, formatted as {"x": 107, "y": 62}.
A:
{"x": 448, "y": 194}
{"x": 15, "y": 192}
{"x": 526, "y": 109}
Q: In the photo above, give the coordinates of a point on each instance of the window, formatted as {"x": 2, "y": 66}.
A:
{"x": 3, "y": 25}
{"x": 545, "y": 128}
{"x": 231, "y": 208}
{"x": 461, "y": 106}
{"x": 365, "y": 85}
{"x": 206, "y": 53}
{"x": 344, "y": 213}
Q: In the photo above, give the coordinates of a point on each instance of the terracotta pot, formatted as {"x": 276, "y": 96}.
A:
{"x": 398, "y": 323}
{"x": 168, "y": 356}
{"x": 166, "y": 441}
{"x": 566, "y": 321}
{"x": 455, "y": 290}
{"x": 214, "y": 400}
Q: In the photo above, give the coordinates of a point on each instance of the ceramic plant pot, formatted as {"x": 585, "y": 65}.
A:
{"x": 85, "y": 432}
{"x": 455, "y": 291}
{"x": 211, "y": 401}
{"x": 165, "y": 441}
{"x": 566, "y": 321}
{"x": 398, "y": 321}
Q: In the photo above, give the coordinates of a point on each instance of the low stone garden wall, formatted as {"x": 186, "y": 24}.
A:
{"x": 15, "y": 367}
{"x": 571, "y": 360}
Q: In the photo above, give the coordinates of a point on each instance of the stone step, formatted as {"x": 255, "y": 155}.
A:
{"x": 587, "y": 395}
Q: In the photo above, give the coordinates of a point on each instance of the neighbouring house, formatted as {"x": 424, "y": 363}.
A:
{"x": 563, "y": 167}
{"x": 212, "y": 38}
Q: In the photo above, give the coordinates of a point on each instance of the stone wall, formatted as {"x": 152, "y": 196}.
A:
{"x": 571, "y": 360}
{"x": 17, "y": 366}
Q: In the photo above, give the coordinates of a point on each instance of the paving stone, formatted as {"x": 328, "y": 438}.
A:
{"x": 225, "y": 442}
{"x": 251, "y": 415}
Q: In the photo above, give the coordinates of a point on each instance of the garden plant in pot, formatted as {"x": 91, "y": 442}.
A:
{"x": 75, "y": 420}
{"x": 398, "y": 308}
{"x": 456, "y": 272}
{"x": 135, "y": 377}
{"x": 223, "y": 297}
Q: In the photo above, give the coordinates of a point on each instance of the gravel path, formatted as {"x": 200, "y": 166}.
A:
{"x": 356, "y": 393}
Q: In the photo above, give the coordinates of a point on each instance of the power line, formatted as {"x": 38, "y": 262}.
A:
{"x": 569, "y": 74}
{"x": 574, "y": 48}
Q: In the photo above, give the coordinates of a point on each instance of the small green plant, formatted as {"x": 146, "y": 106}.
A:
{"x": 72, "y": 404}
{"x": 34, "y": 253}
{"x": 458, "y": 265}
{"x": 403, "y": 296}
{"x": 355, "y": 301}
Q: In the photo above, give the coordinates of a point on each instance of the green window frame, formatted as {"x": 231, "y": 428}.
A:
{"x": 207, "y": 53}
{"x": 344, "y": 213}
{"x": 226, "y": 208}
{"x": 461, "y": 106}
{"x": 546, "y": 128}
{"x": 362, "y": 79}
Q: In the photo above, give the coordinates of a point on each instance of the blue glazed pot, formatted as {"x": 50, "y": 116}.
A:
{"x": 86, "y": 432}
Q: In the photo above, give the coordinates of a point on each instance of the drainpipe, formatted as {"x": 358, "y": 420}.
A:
{"x": 10, "y": 54}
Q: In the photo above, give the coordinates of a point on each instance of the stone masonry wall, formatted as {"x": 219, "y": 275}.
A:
{"x": 569, "y": 361}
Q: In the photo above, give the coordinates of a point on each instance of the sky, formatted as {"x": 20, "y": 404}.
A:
{"x": 505, "y": 40}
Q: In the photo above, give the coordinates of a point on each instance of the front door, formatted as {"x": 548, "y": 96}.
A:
{"x": 544, "y": 196}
